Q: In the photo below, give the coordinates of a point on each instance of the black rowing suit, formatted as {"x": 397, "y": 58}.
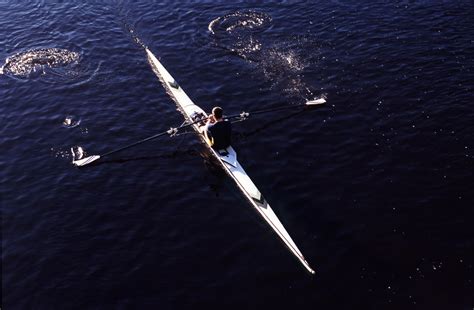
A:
{"x": 220, "y": 133}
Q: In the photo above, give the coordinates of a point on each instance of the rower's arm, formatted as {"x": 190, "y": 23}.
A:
{"x": 209, "y": 140}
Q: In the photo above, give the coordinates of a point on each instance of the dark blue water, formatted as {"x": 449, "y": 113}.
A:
{"x": 376, "y": 188}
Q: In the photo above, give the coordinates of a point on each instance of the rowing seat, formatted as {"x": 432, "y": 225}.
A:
{"x": 228, "y": 155}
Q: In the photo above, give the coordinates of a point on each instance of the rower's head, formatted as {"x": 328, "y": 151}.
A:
{"x": 217, "y": 112}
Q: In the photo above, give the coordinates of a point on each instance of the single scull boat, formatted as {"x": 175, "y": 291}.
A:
{"x": 227, "y": 158}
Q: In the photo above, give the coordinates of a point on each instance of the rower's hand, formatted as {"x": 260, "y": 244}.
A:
{"x": 212, "y": 120}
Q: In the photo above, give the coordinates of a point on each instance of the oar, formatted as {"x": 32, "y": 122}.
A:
{"x": 172, "y": 131}
{"x": 244, "y": 115}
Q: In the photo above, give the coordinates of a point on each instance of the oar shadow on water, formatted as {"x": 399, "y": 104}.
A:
{"x": 177, "y": 154}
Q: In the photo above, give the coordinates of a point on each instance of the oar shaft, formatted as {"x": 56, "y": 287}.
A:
{"x": 276, "y": 109}
{"x": 245, "y": 114}
{"x": 170, "y": 131}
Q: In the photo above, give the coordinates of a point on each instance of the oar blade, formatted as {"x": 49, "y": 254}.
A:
{"x": 316, "y": 101}
{"x": 85, "y": 161}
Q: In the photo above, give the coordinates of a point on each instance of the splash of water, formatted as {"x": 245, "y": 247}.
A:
{"x": 285, "y": 60}
{"x": 284, "y": 66}
{"x": 59, "y": 153}
{"x": 77, "y": 152}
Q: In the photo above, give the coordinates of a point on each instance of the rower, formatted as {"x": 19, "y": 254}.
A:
{"x": 218, "y": 131}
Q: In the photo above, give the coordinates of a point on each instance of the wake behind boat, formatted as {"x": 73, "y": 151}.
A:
{"x": 226, "y": 157}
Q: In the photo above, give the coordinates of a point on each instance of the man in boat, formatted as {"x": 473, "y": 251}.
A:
{"x": 217, "y": 130}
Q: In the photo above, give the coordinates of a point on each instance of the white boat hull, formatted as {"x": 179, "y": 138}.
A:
{"x": 227, "y": 158}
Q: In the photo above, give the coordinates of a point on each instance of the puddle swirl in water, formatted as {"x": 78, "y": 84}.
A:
{"x": 45, "y": 60}
{"x": 71, "y": 121}
{"x": 243, "y": 21}
{"x": 237, "y": 32}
